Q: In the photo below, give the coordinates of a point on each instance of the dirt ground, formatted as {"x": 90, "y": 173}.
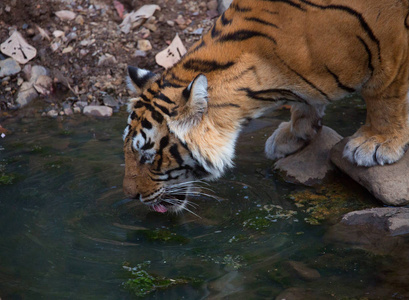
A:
{"x": 75, "y": 57}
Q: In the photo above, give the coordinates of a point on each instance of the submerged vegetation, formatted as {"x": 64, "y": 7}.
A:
{"x": 327, "y": 202}
{"x": 6, "y": 179}
{"x": 141, "y": 283}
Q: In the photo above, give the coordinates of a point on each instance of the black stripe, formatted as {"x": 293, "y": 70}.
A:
{"x": 313, "y": 86}
{"x": 205, "y": 66}
{"x": 253, "y": 19}
{"x": 215, "y": 33}
{"x": 281, "y": 95}
{"x": 270, "y": 11}
{"x": 149, "y": 90}
{"x": 133, "y": 116}
{"x": 175, "y": 153}
{"x": 173, "y": 77}
{"x": 238, "y": 8}
{"x": 289, "y": 2}
{"x": 155, "y": 114}
{"x": 139, "y": 81}
{"x": 243, "y": 34}
{"x": 143, "y": 134}
{"x": 202, "y": 44}
{"x": 144, "y": 98}
{"x": 354, "y": 13}
{"x": 165, "y": 98}
{"x": 148, "y": 145}
{"x": 221, "y": 105}
{"x": 166, "y": 83}
{"x": 224, "y": 20}
{"x": 368, "y": 51}
{"x": 162, "y": 108}
{"x": 146, "y": 124}
{"x": 339, "y": 83}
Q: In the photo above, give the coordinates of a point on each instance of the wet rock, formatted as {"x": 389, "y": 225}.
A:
{"x": 312, "y": 164}
{"x": 43, "y": 85}
{"x": 98, "y": 111}
{"x": 382, "y": 230}
{"x": 303, "y": 271}
{"x": 9, "y": 67}
{"x": 389, "y": 183}
{"x": 26, "y": 94}
{"x": 223, "y": 5}
{"x": 37, "y": 71}
{"x": 68, "y": 111}
{"x": 226, "y": 285}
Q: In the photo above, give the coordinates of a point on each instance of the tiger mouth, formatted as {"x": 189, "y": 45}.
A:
{"x": 172, "y": 203}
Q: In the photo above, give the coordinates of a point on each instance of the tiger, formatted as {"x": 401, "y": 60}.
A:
{"x": 258, "y": 56}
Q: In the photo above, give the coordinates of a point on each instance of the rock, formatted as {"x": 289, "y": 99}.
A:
{"x": 26, "y": 94}
{"x": 98, "y": 111}
{"x": 212, "y": 5}
{"x": 77, "y": 110}
{"x": 9, "y": 67}
{"x": 43, "y": 85}
{"x": 79, "y": 20}
{"x": 106, "y": 60}
{"x": 37, "y": 71}
{"x": 58, "y": 33}
{"x": 381, "y": 230}
{"x": 303, "y": 271}
{"x": 16, "y": 41}
{"x": 139, "y": 53}
{"x": 391, "y": 220}
{"x": 65, "y": 15}
{"x": 144, "y": 45}
{"x": 52, "y": 113}
{"x": 388, "y": 183}
{"x": 312, "y": 164}
{"x": 68, "y": 111}
{"x": 223, "y": 5}
{"x": 170, "y": 23}
{"x": 110, "y": 101}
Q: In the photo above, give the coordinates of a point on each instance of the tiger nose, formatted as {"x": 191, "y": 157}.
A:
{"x": 129, "y": 188}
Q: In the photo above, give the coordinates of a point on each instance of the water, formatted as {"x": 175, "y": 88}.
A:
{"x": 66, "y": 230}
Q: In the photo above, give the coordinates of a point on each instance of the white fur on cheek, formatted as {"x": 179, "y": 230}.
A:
{"x": 126, "y": 132}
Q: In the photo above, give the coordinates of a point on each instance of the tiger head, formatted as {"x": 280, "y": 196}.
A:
{"x": 160, "y": 164}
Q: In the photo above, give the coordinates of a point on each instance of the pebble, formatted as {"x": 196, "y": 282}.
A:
{"x": 171, "y": 23}
{"x": 52, "y": 113}
{"x": 77, "y": 110}
{"x": 68, "y": 111}
{"x": 212, "y": 5}
{"x": 58, "y": 33}
{"x": 144, "y": 45}
{"x": 9, "y": 67}
{"x": 106, "y": 60}
{"x": 26, "y": 94}
{"x": 139, "y": 53}
{"x": 43, "y": 85}
{"x": 110, "y": 101}
{"x": 79, "y": 20}
{"x": 98, "y": 111}
{"x": 65, "y": 15}
{"x": 67, "y": 50}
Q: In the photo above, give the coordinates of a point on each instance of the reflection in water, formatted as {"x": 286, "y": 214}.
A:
{"x": 66, "y": 228}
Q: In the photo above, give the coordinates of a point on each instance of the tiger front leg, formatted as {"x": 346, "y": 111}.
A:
{"x": 385, "y": 135}
{"x": 292, "y": 136}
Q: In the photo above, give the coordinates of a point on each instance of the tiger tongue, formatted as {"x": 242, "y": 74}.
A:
{"x": 160, "y": 208}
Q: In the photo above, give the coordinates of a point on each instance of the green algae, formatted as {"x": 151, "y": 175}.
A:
{"x": 165, "y": 236}
{"x": 142, "y": 283}
{"x": 5, "y": 178}
{"x": 327, "y": 202}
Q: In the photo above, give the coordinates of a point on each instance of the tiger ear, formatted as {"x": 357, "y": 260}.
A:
{"x": 191, "y": 113}
{"x": 139, "y": 79}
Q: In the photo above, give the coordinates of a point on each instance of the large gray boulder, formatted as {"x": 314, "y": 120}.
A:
{"x": 312, "y": 164}
{"x": 388, "y": 183}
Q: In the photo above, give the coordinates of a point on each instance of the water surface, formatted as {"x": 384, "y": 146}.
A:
{"x": 67, "y": 231}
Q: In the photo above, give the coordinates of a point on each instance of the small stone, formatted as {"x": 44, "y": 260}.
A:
{"x": 198, "y": 31}
{"x": 68, "y": 111}
{"x": 79, "y": 20}
{"x": 67, "y": 50}
{"x": 180, "y": 20}
{"x": 212, "y": 5}
{"x": 110, "y": 101}
{"x": 98, "y": 111}
{"x": 84, "y": 52}
{"x": 144, "y": 45}
{"x": 151, "y": 27}
{"x": 43, "y": 85}
{"x": 26, "y": 94}
{"x": 106, "y": 60}
{"x": 9, "y": 67}
{"x": 139, "y": 53}
{"x": 37, "y": 71}
{"x": 52, "y": 113}
{"x": 170, "y": 23}
{"x": 54, "y": 46}
{"x": 20, "y": 81}
{"x": 58, "y": 33}
{"x": 65, "y": 15}
{"x": 77, "y": 110}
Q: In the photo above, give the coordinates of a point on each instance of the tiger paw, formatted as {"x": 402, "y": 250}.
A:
{"x": 373, "y": 150}
{"x": 283, "y": 142}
